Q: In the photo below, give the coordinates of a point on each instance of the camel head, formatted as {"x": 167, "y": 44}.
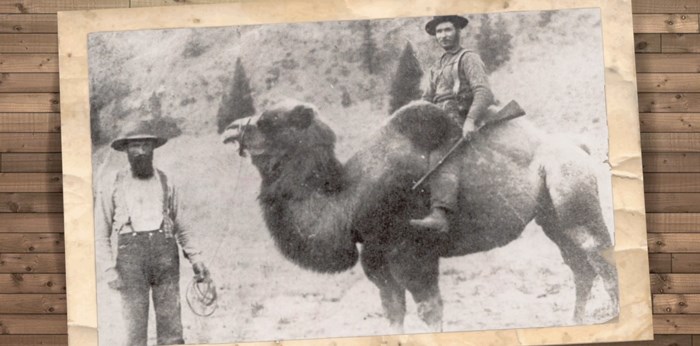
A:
{"x": 285, "y": 127}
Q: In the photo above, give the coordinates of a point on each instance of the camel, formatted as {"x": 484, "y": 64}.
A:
{"x": 318, "y": 210}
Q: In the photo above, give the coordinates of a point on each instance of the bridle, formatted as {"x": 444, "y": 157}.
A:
{"x": 241, "y": 151}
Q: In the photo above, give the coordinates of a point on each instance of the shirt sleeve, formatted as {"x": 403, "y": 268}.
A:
{"x": 184, "y": 235}
{"x": 475, "y": 72}
{"x": 104, "y": 212}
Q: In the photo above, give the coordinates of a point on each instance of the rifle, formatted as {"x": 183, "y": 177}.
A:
{"x": 510, "y": 111}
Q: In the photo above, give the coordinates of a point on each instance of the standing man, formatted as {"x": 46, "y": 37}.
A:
{"x": 459, "y": 85}
{"x": 141, "y": 209}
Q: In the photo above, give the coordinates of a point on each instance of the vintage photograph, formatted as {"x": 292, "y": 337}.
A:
{"x": 351, "y": 178}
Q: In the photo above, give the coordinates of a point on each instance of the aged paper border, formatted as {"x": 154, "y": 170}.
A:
{"x": 635, "y": 319}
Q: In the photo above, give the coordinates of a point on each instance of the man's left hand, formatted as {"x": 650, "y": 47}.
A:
{"x": 201, "y": 273}
{"x": 469, "y": 129}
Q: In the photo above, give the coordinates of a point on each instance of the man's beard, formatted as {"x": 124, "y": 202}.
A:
{"x": 141, "y": 166}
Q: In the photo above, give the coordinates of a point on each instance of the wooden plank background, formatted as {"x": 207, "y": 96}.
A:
{"x": 32, "y": 268}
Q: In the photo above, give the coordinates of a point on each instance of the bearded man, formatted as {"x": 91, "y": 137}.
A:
{"x": 459, "y": 85}
{"x": 141, "y": 209}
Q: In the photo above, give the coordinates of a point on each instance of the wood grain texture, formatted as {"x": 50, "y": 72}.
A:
{"x": 33, "y": 304}
{"x": 670, "y": 122}
{"x": 28, "y": 43}
{"x": 39, "y": 340}
{"x": 53, "y": 6}
{"x": 673, "y": 222}
{"x": 665, "y": 6}
{"x": 31, "y": 222}
{"x": 672, "y": 182}
{"x": 660, "y": 263}
{"x": 31, "y": 182}
{"x": 668, "y": 23}
{"x": 647, "y": 43}
{"x": 29, "y": 102}
{"x": 670, "y": 142}
{"x": 685, "y": 262}
{"x": 680, "y": 43}
{"x": 33, "y": 324}
{"x": 47, "y": 23}
{"x": 667, "y": 63}
{"x": 675, "y": 283}
{"x": 27, "y": 163}
{"x": 30, "y": 122}
{"x": 32, "y": 283}
{"x": 31, "y": 202}
{"x": 668, "y": 82}
{"x": 30, "y": 142}
{"x": 32, "y": 242}
{"x": 669, "y": 102}
{"x": 676, "y": 303}
{"x": 29, "y": 63}
{"x": 29, "y": 82}
{"x": 666, "y": 162}
{"x": 32, "y": 263}
{"x": 673, "y": 242}
{"x": 672, "y": 203}
{"x": 679, "y": 324}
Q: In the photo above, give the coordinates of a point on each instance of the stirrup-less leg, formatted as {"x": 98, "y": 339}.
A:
{"x": 444, "y": 189}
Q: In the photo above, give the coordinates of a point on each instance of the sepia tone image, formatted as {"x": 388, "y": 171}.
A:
{"x": 351, "y": 178}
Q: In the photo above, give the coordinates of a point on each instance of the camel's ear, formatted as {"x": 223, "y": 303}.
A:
{"x": 301, "y": 116}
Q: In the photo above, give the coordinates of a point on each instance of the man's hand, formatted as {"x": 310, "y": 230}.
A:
{"x": 201, "y": 273}
{"x": 113, "y": 280}
{"x": 469, "y": 129}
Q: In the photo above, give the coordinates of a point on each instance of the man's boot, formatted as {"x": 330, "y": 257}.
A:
{"x": 436, "y": 220}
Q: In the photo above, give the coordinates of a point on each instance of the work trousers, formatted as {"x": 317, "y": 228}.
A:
{"x": 148, "y": 263}
{"x": 444, "y": 184}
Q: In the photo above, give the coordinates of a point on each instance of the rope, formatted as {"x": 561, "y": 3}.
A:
{"x": 203, "y": 293}
{"x": 207, "y": 296}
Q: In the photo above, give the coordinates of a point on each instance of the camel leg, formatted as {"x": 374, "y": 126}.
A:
{"x": 571, "y": 216}
{"x": 584, "y": 275}
{"x": 418, "y": 271}
{"x": 604, "y": 268}
{"x": 392, "y": 294}
{"x": 574, "y": 257}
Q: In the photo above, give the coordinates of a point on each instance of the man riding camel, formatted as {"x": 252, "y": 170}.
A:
{"x": 459, "y": 85}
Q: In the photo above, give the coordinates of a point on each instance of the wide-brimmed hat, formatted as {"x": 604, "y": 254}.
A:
{"x": 142, "y": 131}
{"x": 459, "y": 22}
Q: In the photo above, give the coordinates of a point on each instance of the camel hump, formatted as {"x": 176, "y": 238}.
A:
{"x": 426, "y": 125}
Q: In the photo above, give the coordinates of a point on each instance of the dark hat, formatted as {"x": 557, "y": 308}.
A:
{"x": 142, "y": 131}
{"x": 459, "y": 22}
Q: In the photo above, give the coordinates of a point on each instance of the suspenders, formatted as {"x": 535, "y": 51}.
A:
{"x": 455, "y": 72}
{"x": 167, "y": 223}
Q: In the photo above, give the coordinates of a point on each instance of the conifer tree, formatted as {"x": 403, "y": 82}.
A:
{"x": 406, "y": 84}
{"x": 238, "y": 101}
{"x": 494, "y": 42}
